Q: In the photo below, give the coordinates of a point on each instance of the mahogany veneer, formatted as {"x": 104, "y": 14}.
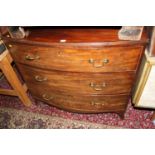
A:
{"x": 79, "y": 83}
{"x": 80, "y": 70}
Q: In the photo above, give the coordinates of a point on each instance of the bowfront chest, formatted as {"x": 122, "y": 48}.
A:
{"x": 80, "y": 70}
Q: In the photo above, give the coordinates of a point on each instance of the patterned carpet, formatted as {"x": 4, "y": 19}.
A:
{"x": 19, "y": 119}
{"x": 14, "y": 115}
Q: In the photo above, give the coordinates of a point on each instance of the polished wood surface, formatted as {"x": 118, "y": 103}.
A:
{"x": 80, "y": 83}
{"x": 78, "y": 35}
{"x": 81, "y": 103}
{"x": 80, "y": 70}
{"x": 79, "y": 60}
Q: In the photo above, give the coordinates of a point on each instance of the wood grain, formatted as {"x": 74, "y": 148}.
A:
{"x": 80, "y": 36}
{"x": 14, "y": 81}
{"x": 80, "y": 70}
{"x": 78, "y": 60}
{"x": 80, "y": 83}
{"x": 81, "y": 103}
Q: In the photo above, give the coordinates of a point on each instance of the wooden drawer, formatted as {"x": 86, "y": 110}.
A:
{"x": 80, "y": 83}
{"x": 107, "y": 59}
{"x": 85, "y": 104}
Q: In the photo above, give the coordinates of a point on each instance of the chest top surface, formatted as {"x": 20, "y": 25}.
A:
{"x": 100, "y": 36}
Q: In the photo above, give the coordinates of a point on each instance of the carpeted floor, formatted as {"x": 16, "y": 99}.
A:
{"x": 14, "y": 115}
{"x": 19, "y": 119}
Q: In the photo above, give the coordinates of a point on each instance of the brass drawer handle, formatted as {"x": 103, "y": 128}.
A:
{"x": 103, "y": 62}
{"x": 47, "y": 97}
{"x": 97, "y": 87}
{"x": 30, "y": 58}
{"x": 94, "y": 103}
{"x": 40, "y": 79}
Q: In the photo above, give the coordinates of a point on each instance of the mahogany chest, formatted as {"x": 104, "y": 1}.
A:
{"x": 80, "y": 70}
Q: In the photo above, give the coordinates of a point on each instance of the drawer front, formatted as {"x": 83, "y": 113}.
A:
{"x": 108, "y": 59}
{"x": 84, "y": 104}
{"x": 84, "y": 83}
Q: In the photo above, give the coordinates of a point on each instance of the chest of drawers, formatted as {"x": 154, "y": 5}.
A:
{"x": 80, "y": 70}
